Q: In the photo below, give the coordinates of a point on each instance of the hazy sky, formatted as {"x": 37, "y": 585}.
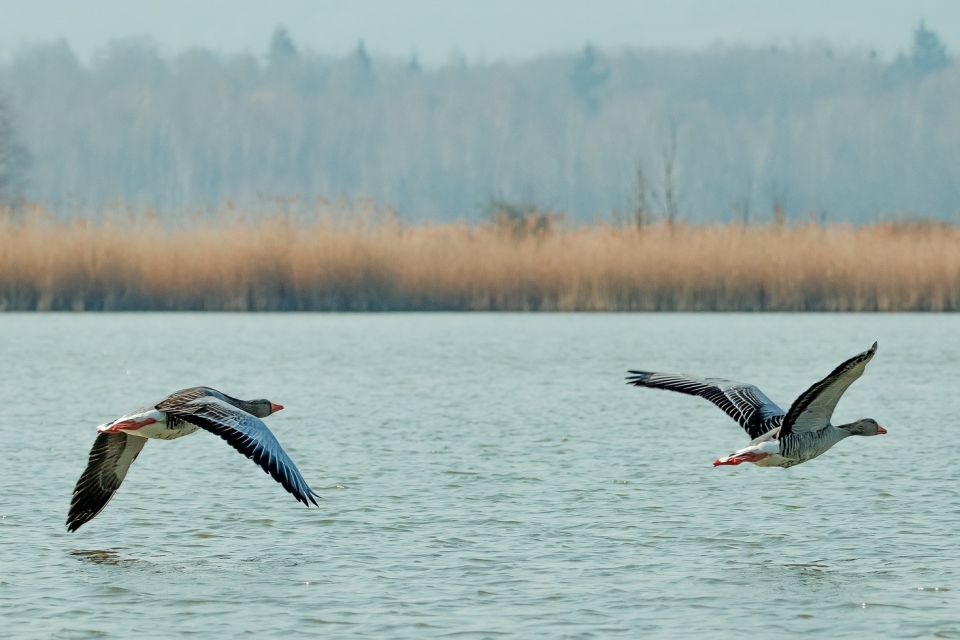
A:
{"x": 484, "y": 30}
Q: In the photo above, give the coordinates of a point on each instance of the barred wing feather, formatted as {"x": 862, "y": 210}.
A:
{"x": 814, "y": 408}
{"x": 110, "y": 458}
{"x": 745, "y": 403}
{"x": 250, "y": 436}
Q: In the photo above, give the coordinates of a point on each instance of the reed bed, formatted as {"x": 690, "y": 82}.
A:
{"x": 289, "y": 263}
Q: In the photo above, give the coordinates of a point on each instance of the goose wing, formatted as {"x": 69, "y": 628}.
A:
{"x": 745, "y": 403}
{"x": 186, "y": 395}
{"x": 245, "y": 433}
{"x": 813, "y": 409}
{"x": 110, "y": 458}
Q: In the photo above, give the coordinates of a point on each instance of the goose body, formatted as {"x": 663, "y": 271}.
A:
{"x": 779, "y": 439}
{"x": 771, "y": 451}
{"x": 149, "y": 423}
{"x": 238, "y": 422}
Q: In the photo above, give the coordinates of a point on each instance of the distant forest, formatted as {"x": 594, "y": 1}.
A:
{"x": 725, "y": 133}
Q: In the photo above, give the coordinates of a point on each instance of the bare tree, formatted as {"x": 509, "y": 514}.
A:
{"x": 778, "y": 199}
{"x": 741, "y": 207}
{"x": 13, "y": 158}
{"x": 642, "y": 213}
{"x": 669, "y": 156}
{"x": 743, "y": 204}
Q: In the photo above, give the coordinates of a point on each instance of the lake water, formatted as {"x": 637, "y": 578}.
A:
{"x": 482, "y": 476}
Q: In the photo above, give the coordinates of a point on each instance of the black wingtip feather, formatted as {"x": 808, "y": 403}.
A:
{"x": 806, "y": 398}
{"x": 251, "y": 437}
{"x": 637, "y": 378}
{"x": 745, "y": 403}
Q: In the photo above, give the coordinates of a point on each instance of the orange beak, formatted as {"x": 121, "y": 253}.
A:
{"x": 880, "y": 430}
{"x": 275, "y": 407}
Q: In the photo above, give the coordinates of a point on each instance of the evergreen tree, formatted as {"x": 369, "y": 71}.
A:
{"x": 282, "y": 48}
{"x": 414, "y": 64}
{"x": 928, "y": 54}
{"x": 362, "y": 58}
{"x": 590, "y": 73}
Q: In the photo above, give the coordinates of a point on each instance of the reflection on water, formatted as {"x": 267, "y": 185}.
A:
{"x": 103, "y": 556}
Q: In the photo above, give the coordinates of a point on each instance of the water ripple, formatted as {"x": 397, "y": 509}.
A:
{"x": 481, "y": 501}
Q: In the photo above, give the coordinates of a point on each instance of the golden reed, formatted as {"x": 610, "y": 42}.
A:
{"x": 284, "y": 262}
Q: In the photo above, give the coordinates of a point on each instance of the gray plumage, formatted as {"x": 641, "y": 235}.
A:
{"x": 802, "y": 433}
{"x": 110, "y": 458}
{"x": 236, "y": 421}
{"x": 247, "y": 434}
{"x": 745, "y": 403}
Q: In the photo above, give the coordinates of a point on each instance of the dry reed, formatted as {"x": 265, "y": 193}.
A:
{"x": 282, "y": 262}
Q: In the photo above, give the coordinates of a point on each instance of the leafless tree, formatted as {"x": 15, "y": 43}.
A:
{"x": 669, "y": 157}
{"x": 742, "y": 205}
{"x": 13, "y": 158}
{"x": 642, "y": 213}
{"x": 778, "y": 199}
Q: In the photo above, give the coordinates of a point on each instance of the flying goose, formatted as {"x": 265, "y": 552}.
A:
{"x": 181, "y": 413}
{"x": 777, "y": 439}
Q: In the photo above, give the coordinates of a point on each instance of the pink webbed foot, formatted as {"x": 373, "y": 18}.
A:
{"x": 740, "y": 458}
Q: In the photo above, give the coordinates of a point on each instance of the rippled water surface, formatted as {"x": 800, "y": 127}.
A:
{"x": 482, "y": 475}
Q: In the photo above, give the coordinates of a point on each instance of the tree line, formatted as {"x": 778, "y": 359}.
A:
{"x": 729, "y": 132}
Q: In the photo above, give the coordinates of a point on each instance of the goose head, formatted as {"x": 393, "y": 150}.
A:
{"x": 864, "y": 427}
{"x": 262, "y": 407}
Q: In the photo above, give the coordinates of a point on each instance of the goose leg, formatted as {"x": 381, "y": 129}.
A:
{"x": 127, "y": 425}
{"x": 738, "y": 458}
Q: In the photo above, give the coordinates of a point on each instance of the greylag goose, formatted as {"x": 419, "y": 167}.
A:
{"x": 778, "y": 439}
{"x": 181, "y": 413}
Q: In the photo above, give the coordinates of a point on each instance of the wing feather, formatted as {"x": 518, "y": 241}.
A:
{"x": 745, "y": 403}
{"x": 248, "y": 435}
{"x": 110, "y": 458}
{"x": 814, "y": 408}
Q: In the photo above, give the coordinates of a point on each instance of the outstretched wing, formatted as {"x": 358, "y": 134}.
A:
{"x": 111, "y": 456}
{"x": 813, "y": 409}
{"x": 745, "y": 403}
{"x": 248, "y": 435}
{"x": 181, "y": 397}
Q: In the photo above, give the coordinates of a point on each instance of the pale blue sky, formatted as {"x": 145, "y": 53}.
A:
{"x": 487, "y": 30}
